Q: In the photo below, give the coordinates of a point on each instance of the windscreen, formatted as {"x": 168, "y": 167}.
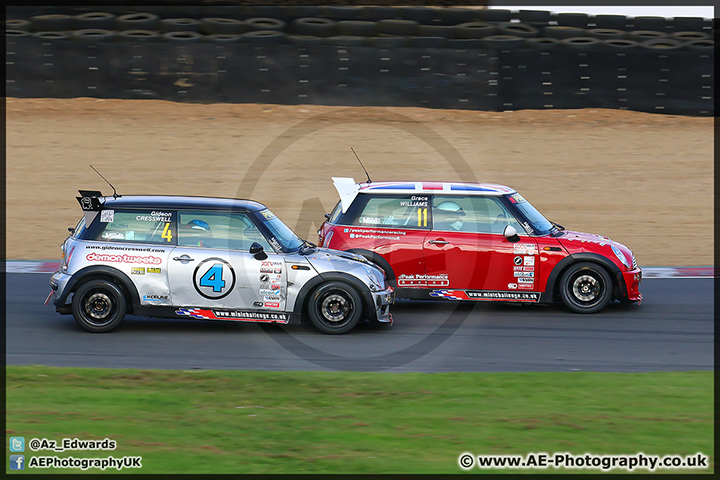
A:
{"x": 537, "y": 221}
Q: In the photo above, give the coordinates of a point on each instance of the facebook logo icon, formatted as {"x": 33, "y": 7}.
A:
{"x": 17, "y": 462}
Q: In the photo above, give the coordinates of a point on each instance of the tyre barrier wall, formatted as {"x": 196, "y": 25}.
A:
{"x": 479, "y": 64}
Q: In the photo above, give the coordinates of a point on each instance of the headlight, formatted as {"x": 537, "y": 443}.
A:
{"x": 375, "y": 285}
{"x": 620, "y": 256}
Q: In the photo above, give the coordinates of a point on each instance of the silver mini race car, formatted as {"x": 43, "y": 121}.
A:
{"x": 207, "y": 258}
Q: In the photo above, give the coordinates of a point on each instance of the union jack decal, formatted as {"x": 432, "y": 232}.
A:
{"x": 450, "y": 294}
{"x": 197, "y": 313}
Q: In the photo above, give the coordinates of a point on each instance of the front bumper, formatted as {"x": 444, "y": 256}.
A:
{"x": 382, "y": 301}
{"x": 58, "y": 282}
{"x": 632, "y": 280}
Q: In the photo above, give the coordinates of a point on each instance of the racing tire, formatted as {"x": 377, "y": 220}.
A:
{"x": 265, "y": 24}
{"x": 314, "y": 27}
{"x": 586, "y": 288}
{"x": 99, "y": 306}
{"x": 181, "y": 37}
{"x": 222, "y": 26}
{"x": 475, "y": 30}
{"x": 607, "y": 21}
{"x": 645, "y": 35}
{"x": 137, "y": 36}
{"x": 393, "y": 26}
{"x": 335, "y": 308}
{"x": 518, "y": 30}
{"x": 167, "y": 25}
{"x": 137, "y": 21}
{"x": 95, "y": 20}
{"x": 690, "y": 36}
{"x": 649, "y": 23}
{"x": 357, "y": 28}
{"x": 577, "y": 20}
{"x": 92, "y": 35}
{"x": 52, "y": 23}
{"x": 445, "y": 31}
{"x": 18, "y": 24}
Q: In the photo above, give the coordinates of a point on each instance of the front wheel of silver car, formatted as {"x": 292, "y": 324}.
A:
{"x": 335, "y": 308}
{"x": 98, "y": 306}
{"x": 586, "y": 288}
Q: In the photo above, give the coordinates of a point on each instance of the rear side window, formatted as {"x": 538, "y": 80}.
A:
{"x": 219, "y": 230}
{"x": 407, "y": 211}
{"x": 135, "y": 226}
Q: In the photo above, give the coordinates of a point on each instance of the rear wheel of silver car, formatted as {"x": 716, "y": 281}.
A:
{"x": 98, "y": 306}
{"x": 335, "y": 308}
{"x": 586, "y": 288}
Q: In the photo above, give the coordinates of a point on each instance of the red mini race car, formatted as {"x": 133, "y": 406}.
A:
{"x": 476, "y": 241}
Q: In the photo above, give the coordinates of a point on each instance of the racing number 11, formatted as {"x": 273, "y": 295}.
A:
{"x": 422, "y": 217}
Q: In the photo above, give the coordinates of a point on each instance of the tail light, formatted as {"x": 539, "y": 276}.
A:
{"x": 66, "y": 259}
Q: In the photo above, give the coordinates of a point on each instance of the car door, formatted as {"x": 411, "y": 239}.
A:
{"x": 467, "y": 246}
{"x": 392, "y": 226}
{"x": 212, "y": 268}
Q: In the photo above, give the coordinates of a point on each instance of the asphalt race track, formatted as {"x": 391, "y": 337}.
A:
{"x": 671, "y": 330}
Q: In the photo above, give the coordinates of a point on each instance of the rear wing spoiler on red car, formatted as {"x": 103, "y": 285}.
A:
{"x": 348, "y": 189}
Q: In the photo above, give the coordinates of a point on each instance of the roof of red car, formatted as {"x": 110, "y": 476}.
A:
{"x": 459, "y": 188}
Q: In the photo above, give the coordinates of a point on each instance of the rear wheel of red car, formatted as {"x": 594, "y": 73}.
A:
{"x": 586, "y": 288}
{"x": 335, "y": 308}
{"x": 99, "y": 306}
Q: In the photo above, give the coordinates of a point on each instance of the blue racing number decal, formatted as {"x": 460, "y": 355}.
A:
{"x": 214, "y": 278}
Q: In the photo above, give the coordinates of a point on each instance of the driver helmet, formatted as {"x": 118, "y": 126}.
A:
{"x": 450, "y": 213}
{"x": 450, "y": 207}
{"x": 199, "y": 231}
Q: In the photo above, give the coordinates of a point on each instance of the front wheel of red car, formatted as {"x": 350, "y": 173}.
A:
{"x": 98, "y": 306}
{"x": 586, "y": 288}
{"x": 335, "y": 308}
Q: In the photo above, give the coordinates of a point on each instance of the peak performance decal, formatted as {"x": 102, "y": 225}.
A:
{"x": 236, "y": 315}
{"x": 486, "y": 295}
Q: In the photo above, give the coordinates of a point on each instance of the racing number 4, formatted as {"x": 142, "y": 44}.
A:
{"x": 213, "y": 278}
{"x": 422, "y": 217}
{"x": 167, "y": 234}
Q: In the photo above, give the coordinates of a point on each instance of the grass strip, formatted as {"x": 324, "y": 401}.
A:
{"x": 208, "y": 422}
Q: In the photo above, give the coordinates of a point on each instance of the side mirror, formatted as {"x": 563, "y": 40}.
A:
{"x": 511, "y": 234}
{"x": 257, "y": 251}
{"x": 327, "y": 215}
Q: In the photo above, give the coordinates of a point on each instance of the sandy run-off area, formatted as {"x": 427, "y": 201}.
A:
{"x": 642, "y": 179}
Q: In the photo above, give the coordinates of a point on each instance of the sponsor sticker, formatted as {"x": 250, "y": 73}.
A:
{"x": 518, "y": 260}
{"x": 525, "y": 280}
{"x": 524, "y": 248}
{"x": 278, "y": 270}
{"x": 423, "y": 280}
{"x": 272, "y": 304}
{"x": 266, "y": 269}
{"x": 526, "y": 286}
{"x": 155, "y": 298}
{"x": 238, "y": 315}
{"x": 137, "y": 270}
{"x": 264, "y": 278}
{"x": 113, "y": 235}
{"x": 525, "y": 274}
{"x": 272, "y": 298}
{"x": 267, "y": 214}
{"x": 123, "y": 258}
{"x": 107, "y": 216}
{"x": 153, "y": 270}
{"x": 257, "y": 304}
{"x": 529, "y": 261}
{"x": 512, "y": 286}
{"x": 265, "y": 291}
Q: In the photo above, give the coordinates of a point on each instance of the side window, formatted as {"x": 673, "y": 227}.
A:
{"x": 396, "y": 211}
{"x": 136, "y": 226}
{"x": 472, "y": 214}
{"x": 220, "y": 230}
